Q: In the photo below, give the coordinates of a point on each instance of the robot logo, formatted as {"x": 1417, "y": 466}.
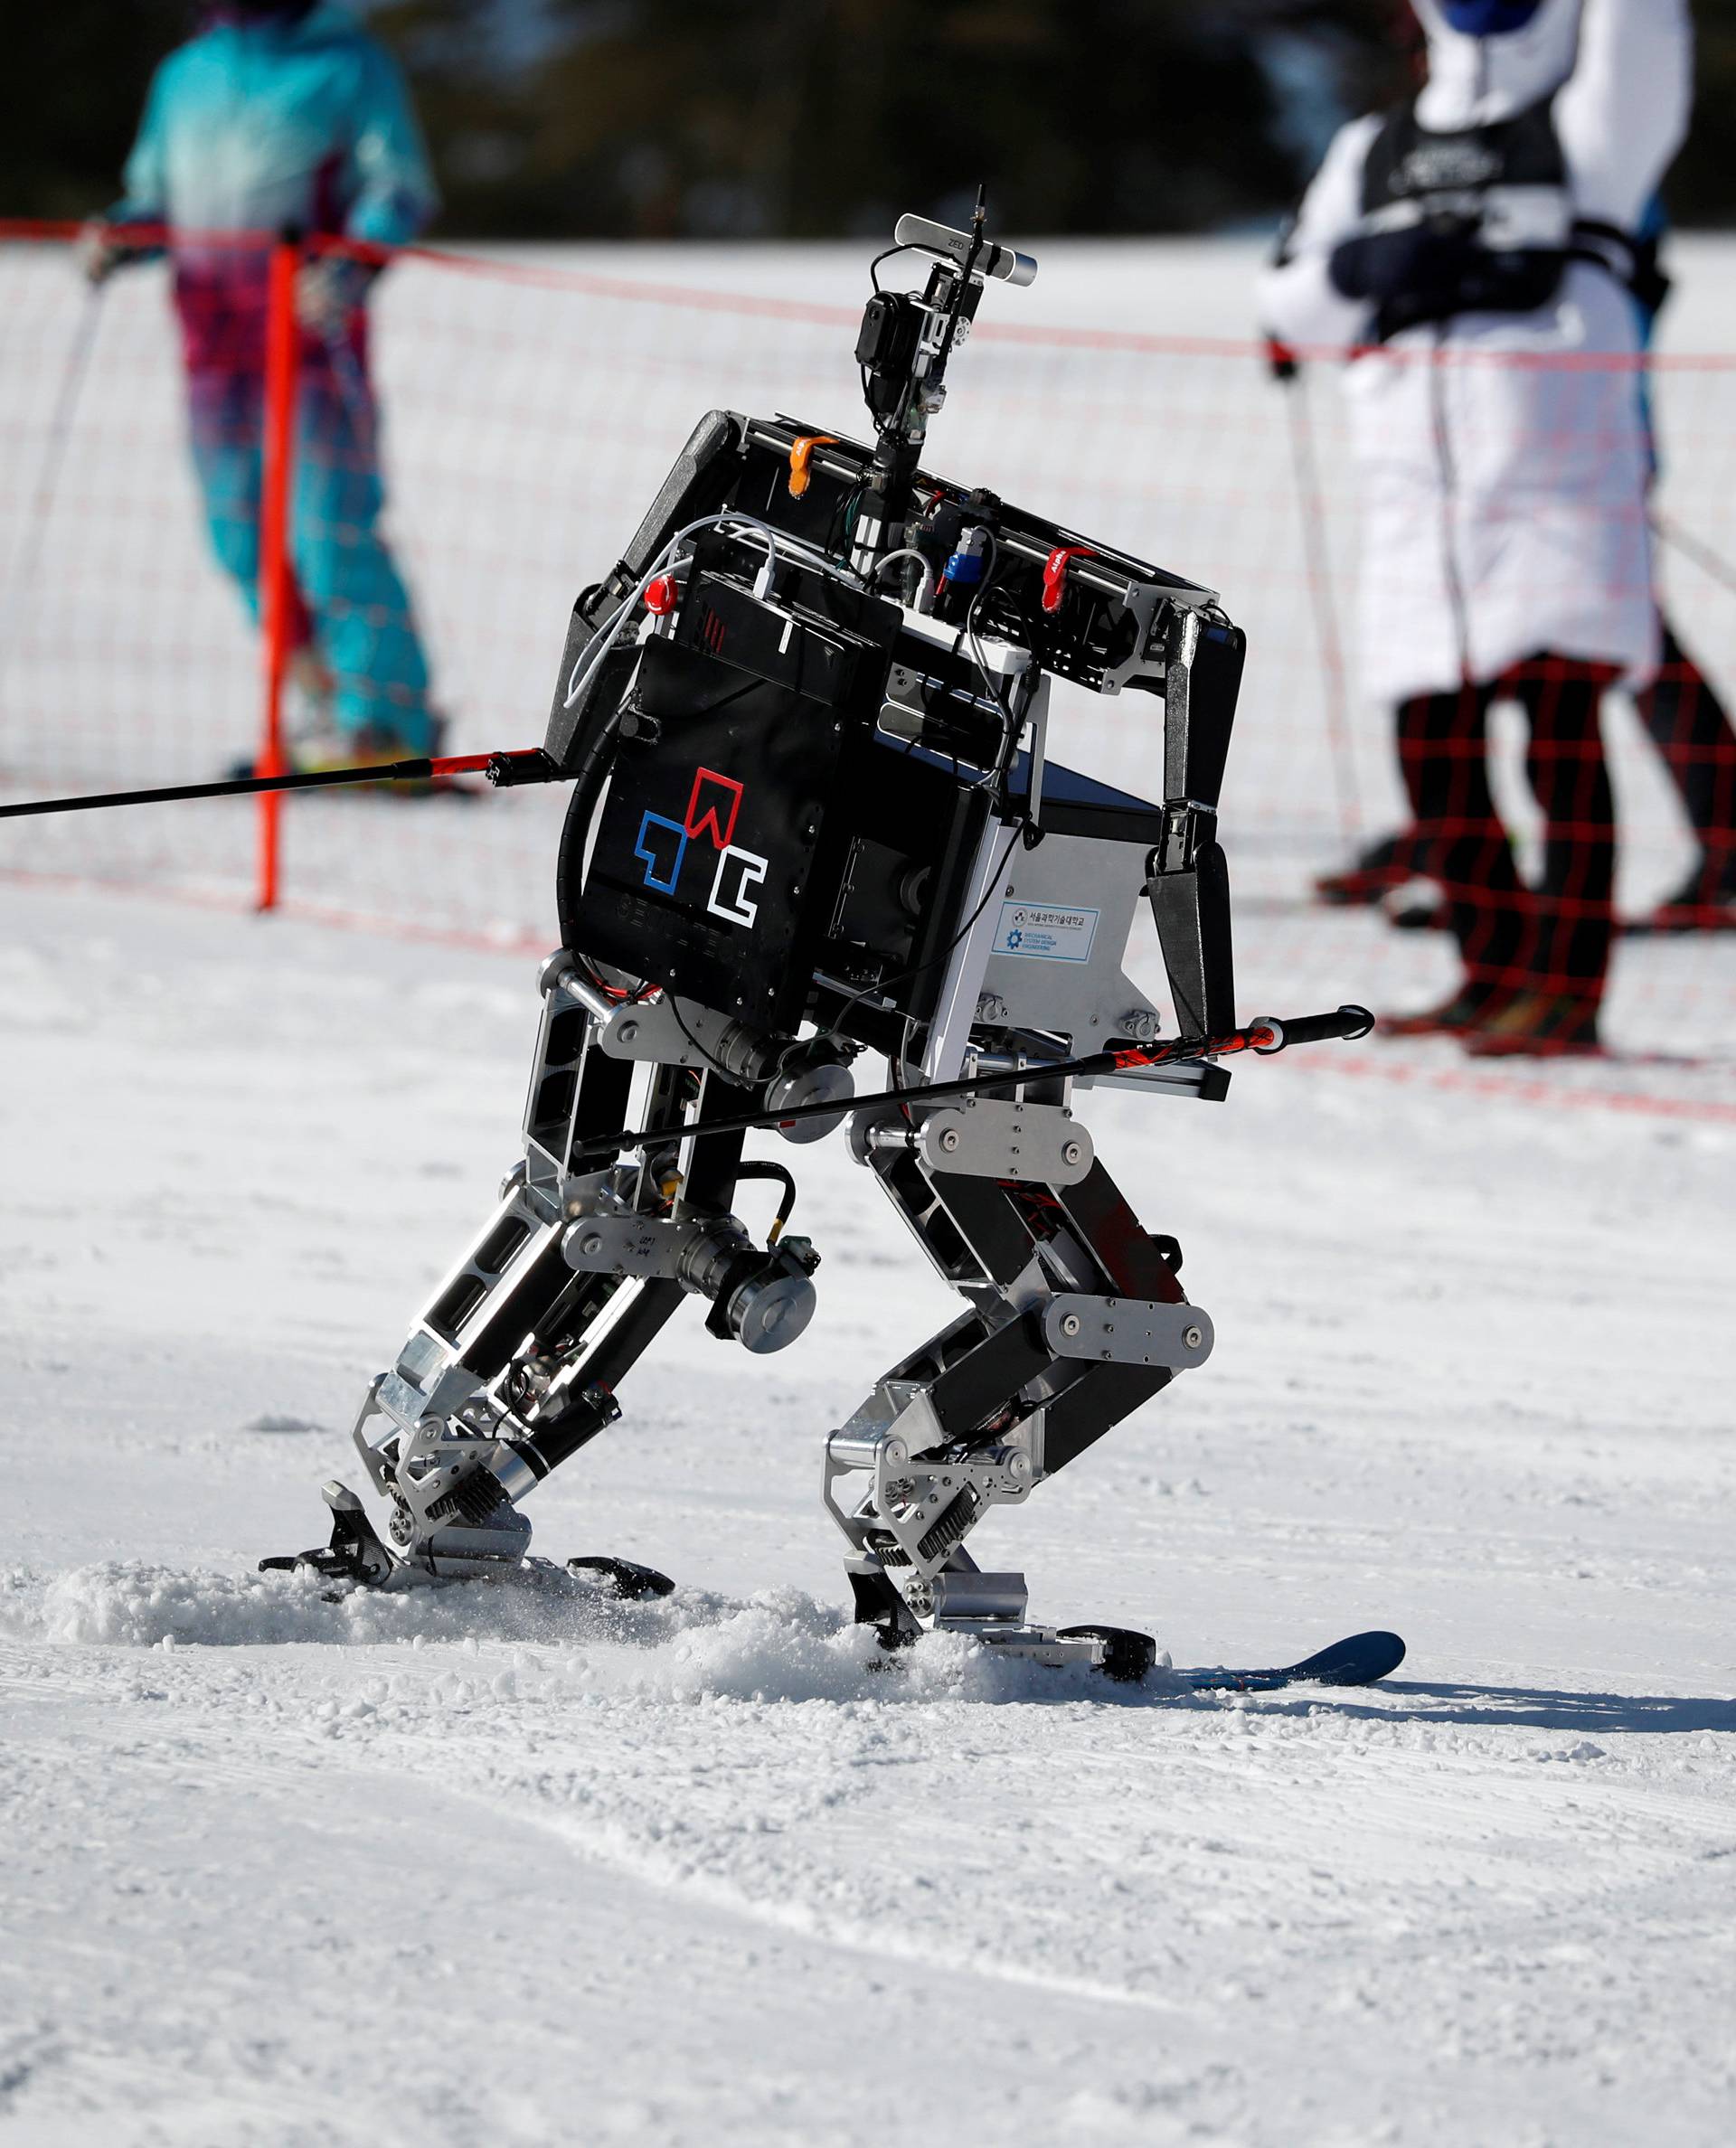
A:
{"x": 698, "y": 821}
{"x": 751, "y": 872}
{"x": 713, "y": 806}
{"x": 1047, "y": 932}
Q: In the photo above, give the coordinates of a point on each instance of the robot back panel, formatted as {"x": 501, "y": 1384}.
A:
{"x": 712, "y": 848}
{"x": 804, "y": 767}
{"x": 758, "y": 826}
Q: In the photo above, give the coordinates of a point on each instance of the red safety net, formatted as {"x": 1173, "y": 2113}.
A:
{"x": 525, "y": 413}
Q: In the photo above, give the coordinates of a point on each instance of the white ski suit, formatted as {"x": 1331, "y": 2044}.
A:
{"x": 1504, "y": 503}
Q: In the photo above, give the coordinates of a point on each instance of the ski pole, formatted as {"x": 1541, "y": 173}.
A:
{"x": 1318, "y": 559}
{"x": 60, "y": 435}
{"x": 505, "y": 770}
{"x": 1709, "y": 563}
{"x": 1265, "y": 1036}
{"x": 353, "y": 386}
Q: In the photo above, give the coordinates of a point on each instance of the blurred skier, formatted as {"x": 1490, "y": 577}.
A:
{"x": 1696, "y": 741}
{"x": 1483, "y": 234}
{"x": 1680, "y": 709}
{"x": 1681, "y": 712}
{"x": 285, "y": 114}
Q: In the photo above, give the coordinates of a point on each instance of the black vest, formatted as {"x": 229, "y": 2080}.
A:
{"x": 1494, "y": 204}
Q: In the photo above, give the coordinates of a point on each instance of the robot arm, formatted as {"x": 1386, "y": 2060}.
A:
{"x": 1188, "y": 882}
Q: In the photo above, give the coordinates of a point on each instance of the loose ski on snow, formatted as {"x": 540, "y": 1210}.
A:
{"x": 1358, "y": 1661}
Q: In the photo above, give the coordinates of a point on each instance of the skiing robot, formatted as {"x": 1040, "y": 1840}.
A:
{"x": 813, "y": 816}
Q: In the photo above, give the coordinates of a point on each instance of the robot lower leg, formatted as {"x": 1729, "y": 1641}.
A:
{"x": 512, "y": 1365}
{"x": 1076, "y": 1318}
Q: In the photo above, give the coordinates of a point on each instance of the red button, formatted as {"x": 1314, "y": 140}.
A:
{"x": 662, "y": 596}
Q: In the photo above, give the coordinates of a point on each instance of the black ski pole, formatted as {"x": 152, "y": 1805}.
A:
{"x": 1265, "y": 1036}
{"x": 1711, "y": 563}
{"x": 503, "y": 770}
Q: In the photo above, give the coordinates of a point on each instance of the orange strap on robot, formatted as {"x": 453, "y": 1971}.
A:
{"x": 801, "y": 453}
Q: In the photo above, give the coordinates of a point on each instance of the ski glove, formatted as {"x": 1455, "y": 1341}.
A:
{"x": 99, "y": 252}
{"x": 329, "y": 293}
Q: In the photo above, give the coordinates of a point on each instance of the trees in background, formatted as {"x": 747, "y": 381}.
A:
{"x": 72, "y": 77}
{"x": 652, "y": 118}
{"x": 809, "y": 118}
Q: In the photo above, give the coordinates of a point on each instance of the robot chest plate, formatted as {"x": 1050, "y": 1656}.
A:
{"x": 712, "y": 859}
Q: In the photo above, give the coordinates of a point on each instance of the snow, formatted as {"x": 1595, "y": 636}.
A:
{"x": 497, "y": 1865}
{"x": 521, "y": 1865}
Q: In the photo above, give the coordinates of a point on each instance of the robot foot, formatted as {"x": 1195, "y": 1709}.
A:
{"x": 495, "y": 1550}
{"x": 990, "y": 1609}
{"x": 631, "y": 1583}
{"x": 355, "y": 1554}
{"x": 1126, "y": 1655}
{"x": 1117, "y": 1652}
{"x": 454, "y": 1551}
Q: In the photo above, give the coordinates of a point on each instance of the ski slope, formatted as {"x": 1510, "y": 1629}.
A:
{"x": 487, "y": 1866}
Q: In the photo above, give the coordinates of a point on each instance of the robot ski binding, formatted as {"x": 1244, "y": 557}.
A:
{"x": 805, "y": 720}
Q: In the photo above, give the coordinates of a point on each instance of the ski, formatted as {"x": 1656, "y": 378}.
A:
{"x": 1360, "y": 1660}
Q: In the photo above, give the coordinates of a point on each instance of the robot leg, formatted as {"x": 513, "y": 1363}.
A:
{"x": 513, "y": 1364}
{"x": 1075, "y": 1318}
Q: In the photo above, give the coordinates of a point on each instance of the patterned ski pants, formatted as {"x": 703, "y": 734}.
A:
{"x": 352, "y": 604}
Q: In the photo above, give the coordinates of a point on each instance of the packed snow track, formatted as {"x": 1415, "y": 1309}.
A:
{"x": 480, "y": 1864}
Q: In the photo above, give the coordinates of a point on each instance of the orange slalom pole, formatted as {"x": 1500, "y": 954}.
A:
{"x": 276, "y": 586}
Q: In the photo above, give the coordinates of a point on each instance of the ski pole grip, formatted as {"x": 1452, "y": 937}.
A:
{"x": 1345, "y": 1022}
{"x": 507, "y": 771}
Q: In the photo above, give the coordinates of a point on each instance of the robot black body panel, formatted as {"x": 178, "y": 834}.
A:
{"x": 804, "y": 719}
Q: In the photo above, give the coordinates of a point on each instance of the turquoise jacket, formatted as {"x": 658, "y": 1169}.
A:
{"x": 256, "y": 124}
{"x": 252, "y": 126}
